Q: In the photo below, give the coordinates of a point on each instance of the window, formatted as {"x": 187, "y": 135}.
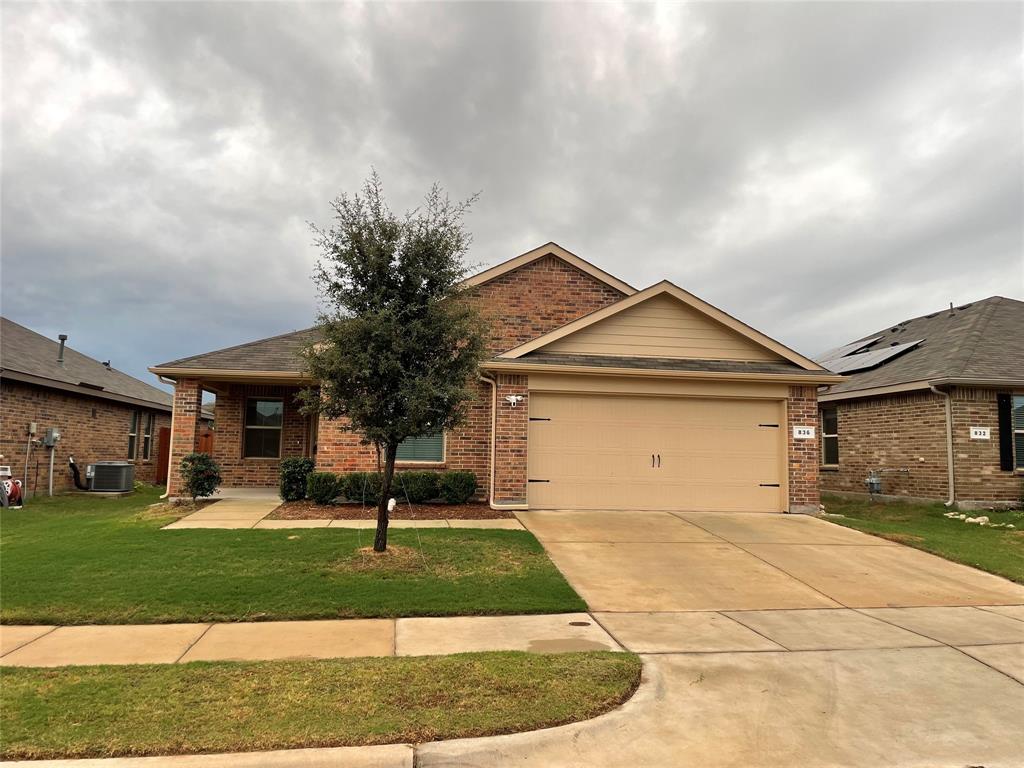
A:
{"x": 263, "y": 421}
{"x": 147, "y": 437}
{"x": 426, "y": 448}
{"x": 1018, "y": 431}
{"x": 829, "y": 436}
{"x": 133, "y": 433}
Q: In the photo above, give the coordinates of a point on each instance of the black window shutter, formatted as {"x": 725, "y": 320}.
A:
{"x": 1004, "y": 406}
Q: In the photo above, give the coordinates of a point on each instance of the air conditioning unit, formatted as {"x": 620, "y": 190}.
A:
{"x": 111, "y": 476}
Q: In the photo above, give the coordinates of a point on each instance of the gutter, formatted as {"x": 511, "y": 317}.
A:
{"x": 494, "y": 430}
{"x": 951, "y": 474}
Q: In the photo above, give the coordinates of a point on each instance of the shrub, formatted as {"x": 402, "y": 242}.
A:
{"x": 362, "y": 486}
{"x": 200, "y": 475}
{"x": 294, "y": 472}
{"x": 417, "y": 487}
{"x": 457, "y": 487}
{"x": 322, "y": 487}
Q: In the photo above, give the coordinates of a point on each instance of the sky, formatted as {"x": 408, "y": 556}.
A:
{"x": 818, "y": 170}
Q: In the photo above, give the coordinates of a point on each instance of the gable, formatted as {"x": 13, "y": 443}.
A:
{"x": 664, "y": 327}
{"x": 537, "y": 297}
{"x": 693, "y": 329}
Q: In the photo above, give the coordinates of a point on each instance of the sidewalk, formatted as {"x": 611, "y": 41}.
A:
{"x": 237, "y": 509}
{"x": 47, "y": 646}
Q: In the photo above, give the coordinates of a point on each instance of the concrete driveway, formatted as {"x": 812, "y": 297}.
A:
{"x": 779, "y": 641}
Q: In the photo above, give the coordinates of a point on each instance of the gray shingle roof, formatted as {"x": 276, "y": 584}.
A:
{"x": 982, "y": 340}
{"x": 654, "y": 363}
{"x": 278, "y": 353}
{"x": 23, "y": 351}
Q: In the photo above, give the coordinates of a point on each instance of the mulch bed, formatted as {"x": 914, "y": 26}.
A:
{"x": 307, "y": 510}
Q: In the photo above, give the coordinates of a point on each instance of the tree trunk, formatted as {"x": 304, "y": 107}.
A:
{"x": 380, "y": 541}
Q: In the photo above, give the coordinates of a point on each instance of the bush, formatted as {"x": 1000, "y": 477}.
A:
{"x": 417, "y": 487}
{"x": 323, "y": 487}
{"x": 200, "y": 475}
{"x": 362, "y": 486}
{"x": 293, "y": 477}
{"x": 457, "y": 487}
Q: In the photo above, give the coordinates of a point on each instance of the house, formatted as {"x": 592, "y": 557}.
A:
{"x": 933, "y": 405}
{"x": 596, "y": 395}
{"x": 102, "y": 414}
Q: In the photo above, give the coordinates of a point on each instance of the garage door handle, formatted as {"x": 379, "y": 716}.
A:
{"x": 659, "y": 459}
{"x": 652, "y": 459}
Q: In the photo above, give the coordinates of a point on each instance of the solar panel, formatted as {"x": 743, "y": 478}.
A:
{"x": 865, "y": 360}
{"x": 848, "y": 349}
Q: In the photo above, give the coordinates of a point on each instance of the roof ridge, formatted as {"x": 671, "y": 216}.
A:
{"x": 930, "y": 315}
{"x": 233, "y": 347}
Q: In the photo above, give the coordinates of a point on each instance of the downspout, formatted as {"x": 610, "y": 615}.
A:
{"x": 170, "y": 448}
{"x": 494, "y": 430}
{"x": 949, "y": 444}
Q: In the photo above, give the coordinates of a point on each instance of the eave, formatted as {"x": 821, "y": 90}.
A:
{"x": 798, "y": 377}
{"x": 101, "y": 394}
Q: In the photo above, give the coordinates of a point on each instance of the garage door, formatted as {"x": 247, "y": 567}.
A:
{"x": 625, "y": 452}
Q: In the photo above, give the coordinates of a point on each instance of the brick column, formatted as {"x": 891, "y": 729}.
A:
{"x": 804, "y": 455}
{"x": 188, "y": 397}
{"x": 511, "y": 427}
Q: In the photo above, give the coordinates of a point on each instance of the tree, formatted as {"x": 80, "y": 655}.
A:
{"x": 400, "y": 338}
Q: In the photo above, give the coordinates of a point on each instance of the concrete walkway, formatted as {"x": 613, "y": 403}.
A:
{"x": 240, "y": 508}
{"x": 47, "y": 646}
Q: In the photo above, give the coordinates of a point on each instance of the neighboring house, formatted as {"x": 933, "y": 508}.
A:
{"x": 934, "y": 404}
{"x": 596, "y": 395}
{"x": 101, "y": 413}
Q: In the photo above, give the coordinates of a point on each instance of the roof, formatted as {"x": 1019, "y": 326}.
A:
{"x": 550, "y": 249}
{"x": 278, "y": 354}
{"x": 655, "y": 363}
{"x": 975, "y": 343}
{"x": 666, "y": 287}
{"x": 31, "y": 357}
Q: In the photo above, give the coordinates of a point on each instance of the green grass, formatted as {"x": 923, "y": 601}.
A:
{"x": 78, "y": 560}
{"x": 152, "y": 709}
{"x": 996, "y": 550}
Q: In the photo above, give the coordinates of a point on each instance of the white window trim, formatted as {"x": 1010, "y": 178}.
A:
{"x": 1018, "y": 461}
{"x": 825, "y": 435}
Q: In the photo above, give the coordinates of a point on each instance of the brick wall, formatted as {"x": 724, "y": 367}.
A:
{"x": 976, "y": 462}
{"x": 519, "y": 306}
{"x": 906, "y": 431}
{"x": 92, "y": 429}
{"x": 909, "y": 432}
{"x": 511, "y": 429}
{"x": 236, "y": 469}
{"x": 188, "y": 396}
{"x": 537, "y": 298}
{"x": 802, "y": 410}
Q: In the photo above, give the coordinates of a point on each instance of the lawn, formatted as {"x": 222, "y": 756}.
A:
{"x": 241, "y": 706}
{"x": 996, "y": 550}
{"x": 79, "y": 560}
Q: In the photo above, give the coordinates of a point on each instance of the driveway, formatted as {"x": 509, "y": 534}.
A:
{"x": 779, "y": 641}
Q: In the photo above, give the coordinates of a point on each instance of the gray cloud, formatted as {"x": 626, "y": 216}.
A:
{"x": 817, "y": 169}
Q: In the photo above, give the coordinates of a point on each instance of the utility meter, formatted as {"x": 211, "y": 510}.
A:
{"x": 51, "y": 438}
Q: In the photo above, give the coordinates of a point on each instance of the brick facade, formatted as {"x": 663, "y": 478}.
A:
{"x": 511, "y": 430}
{"x": 976, "y": 462}
{"x": 802, "y": 410}
{"x": 905, "y": 436}
{"x": 229, "y": 418}
{"x": 519, "y": 306}
{"x": 92, "y": 429}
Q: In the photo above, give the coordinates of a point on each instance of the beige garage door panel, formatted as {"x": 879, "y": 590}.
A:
{"x": 626, "y": 452}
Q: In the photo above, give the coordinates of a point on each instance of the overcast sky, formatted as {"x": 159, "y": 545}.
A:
{"x": 819, "y": 170}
